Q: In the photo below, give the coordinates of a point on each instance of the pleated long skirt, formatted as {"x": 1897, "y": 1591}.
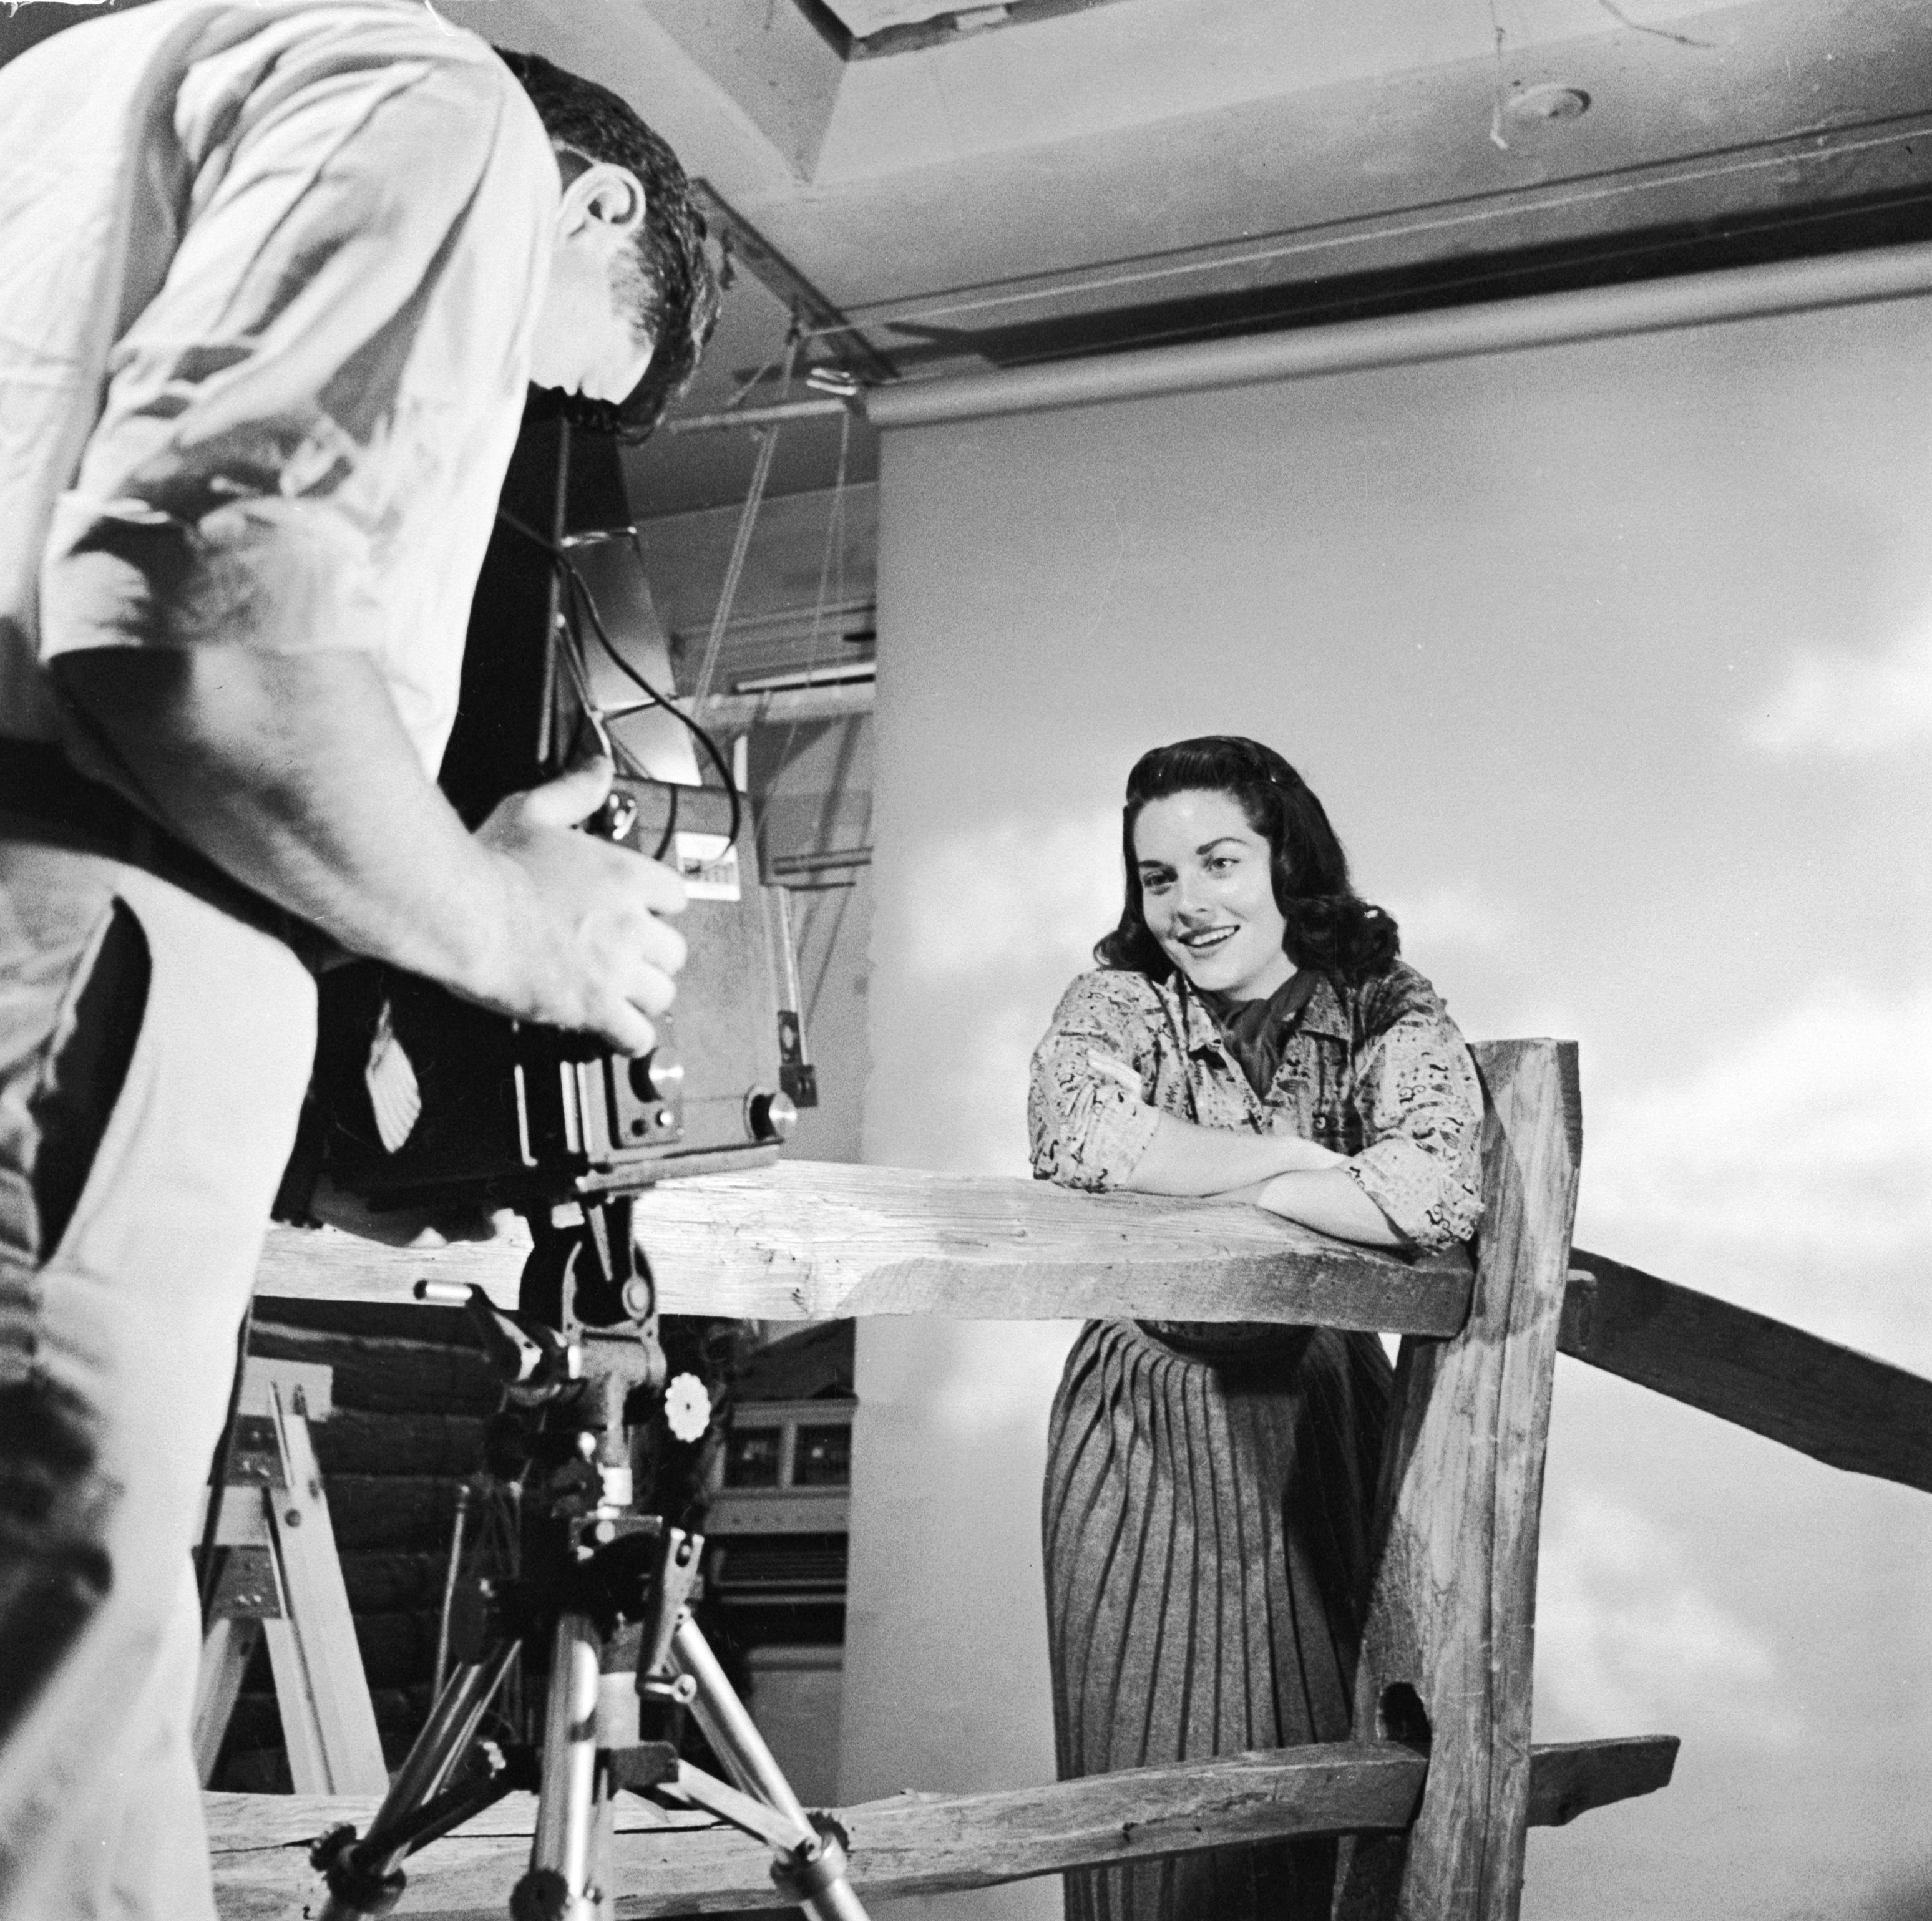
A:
{"x": 1206, "y": 1527}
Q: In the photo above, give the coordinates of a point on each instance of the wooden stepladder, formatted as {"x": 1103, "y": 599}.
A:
{"x": 279, "y": 1578}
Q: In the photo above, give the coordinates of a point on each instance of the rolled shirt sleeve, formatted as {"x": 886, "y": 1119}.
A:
{"x": 1087, "y": 1114}
{"x": 304, "y": 430}
{"x": 1421, "y": 1106}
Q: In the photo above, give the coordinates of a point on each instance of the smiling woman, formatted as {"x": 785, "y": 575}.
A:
{"x": 1250, "y": 1032}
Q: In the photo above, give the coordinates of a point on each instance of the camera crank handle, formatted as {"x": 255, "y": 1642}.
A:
{"x": 522, "y": 1359}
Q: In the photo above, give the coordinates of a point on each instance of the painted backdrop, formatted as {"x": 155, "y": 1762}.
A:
{"x": 1613, "y": 662}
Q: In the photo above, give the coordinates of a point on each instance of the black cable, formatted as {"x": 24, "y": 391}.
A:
{"x": 574, "y": 579}
{"x": 709, "y": 745}
{"x": 620, "y": 752}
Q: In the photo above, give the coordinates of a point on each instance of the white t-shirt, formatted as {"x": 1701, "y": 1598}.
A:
{"x": 268, "y": 273}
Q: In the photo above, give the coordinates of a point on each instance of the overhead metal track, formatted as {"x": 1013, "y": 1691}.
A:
{"x": 1688, "y": 300}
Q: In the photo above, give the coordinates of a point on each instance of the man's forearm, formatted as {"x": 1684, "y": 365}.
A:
{"x": 293, "y": 774}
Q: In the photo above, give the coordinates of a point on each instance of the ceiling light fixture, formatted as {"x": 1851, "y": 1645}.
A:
{"x": 1539, "y": 106}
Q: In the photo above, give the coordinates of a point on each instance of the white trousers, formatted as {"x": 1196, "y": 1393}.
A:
{"x": 117, "y": 1345}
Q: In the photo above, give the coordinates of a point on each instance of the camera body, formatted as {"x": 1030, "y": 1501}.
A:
{"x": 508, "y": 1114}
{"x": 419, "y": 1097}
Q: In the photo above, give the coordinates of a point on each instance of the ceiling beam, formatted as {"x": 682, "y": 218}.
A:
{"x": 816, "y": 318}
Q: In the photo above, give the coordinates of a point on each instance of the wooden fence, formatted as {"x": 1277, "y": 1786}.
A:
{"x": 1436, "y": 1791}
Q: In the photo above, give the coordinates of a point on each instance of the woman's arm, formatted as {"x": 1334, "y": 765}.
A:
{"x": 1185, "y": 1158}
{"x": 1329, "y": 1200}
{"x": 1418, "y": 1183}
{"x": 1093, "y": 1119}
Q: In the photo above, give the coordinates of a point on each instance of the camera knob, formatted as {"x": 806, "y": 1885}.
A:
{"x": 770, "y": 1116}
{"x": 658, "y": 1075}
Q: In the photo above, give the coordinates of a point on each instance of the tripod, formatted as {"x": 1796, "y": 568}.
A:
{"x": 608, "y": 1595}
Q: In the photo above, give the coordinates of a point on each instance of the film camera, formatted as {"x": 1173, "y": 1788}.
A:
{"x": 418, "y": 1096}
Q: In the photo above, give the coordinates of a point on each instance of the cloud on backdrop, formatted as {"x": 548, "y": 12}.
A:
{"x": 1783, "y": 1168}
{"x": 1626, "y": 1633}
{"x": 1832, "y": 702}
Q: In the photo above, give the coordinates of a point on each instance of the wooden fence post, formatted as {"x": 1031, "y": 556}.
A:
{"x": 1447, "y": 1649}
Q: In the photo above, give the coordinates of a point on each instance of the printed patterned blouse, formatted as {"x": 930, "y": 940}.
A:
{"x": 1378, "y": 1073}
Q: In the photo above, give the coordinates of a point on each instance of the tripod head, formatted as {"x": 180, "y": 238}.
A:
{"x": 576, "y": 1399}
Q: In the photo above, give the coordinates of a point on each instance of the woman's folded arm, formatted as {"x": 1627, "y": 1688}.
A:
{"x": 1182, "y": 1158}
{"x": 1331, "y": 1200}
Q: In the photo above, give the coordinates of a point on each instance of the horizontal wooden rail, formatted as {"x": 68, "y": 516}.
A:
{"x": 1836, "y": 1405}
{"x": 920, "y": 1844}
{"x": 811, "y": 1240}
{"x": 808, "y": 1240}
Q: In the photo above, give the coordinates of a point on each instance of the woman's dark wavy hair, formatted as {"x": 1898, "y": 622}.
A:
{"x": 1331, "y": 928}
{"x": 679, "y": 306}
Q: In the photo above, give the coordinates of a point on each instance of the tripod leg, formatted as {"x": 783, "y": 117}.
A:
{"x": 451, "y": 1727}
{"x": 819, "y": 1883}
{"x": 365, "y": 1881}
{"x": 560, "y": 1885}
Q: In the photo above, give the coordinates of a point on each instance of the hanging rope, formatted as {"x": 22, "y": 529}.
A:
{"x": 734, "y": 572}
{"x": 833, "y": 557}
{"x": 747, "y": 518}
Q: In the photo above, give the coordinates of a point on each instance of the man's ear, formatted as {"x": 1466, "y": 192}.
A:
{"x": 611, "y": 196}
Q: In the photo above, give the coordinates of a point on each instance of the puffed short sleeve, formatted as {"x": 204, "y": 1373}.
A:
{"x": 1421, "y": 1108}
{"x": 1088, "y": 1113}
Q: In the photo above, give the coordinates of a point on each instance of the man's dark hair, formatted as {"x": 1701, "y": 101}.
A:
{"x": 679, "y": 306}
{"x": 1330, "y": 927}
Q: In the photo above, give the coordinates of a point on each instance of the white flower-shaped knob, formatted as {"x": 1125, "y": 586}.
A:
{"x": 688, "y": 1407}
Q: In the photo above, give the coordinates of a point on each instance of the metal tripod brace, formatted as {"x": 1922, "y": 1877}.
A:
{"x": 613, "y": 1604}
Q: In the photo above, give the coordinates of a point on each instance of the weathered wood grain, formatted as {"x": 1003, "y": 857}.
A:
{"x": 810, "y": 1240}
{"x": 380, "y": 1581}
{"x": 1447, "y": 1650}
{"x": 391, "y": 1512}
{"x": 717, "y": 1241}
{"x": 915, "y": 1845}
{"x": 1836, "y": 1405}
{"x": 322, "y": 1264}
{"x": 355, "y": 1441}
{"x": 381, "y": 1375}
{"x": 912, "y": 1843}
{"x": 1567, "y": 1779}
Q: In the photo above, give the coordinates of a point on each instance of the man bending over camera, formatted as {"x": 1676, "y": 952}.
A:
{"x": 276, "y": 273}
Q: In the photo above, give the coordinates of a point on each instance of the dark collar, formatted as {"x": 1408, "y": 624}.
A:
{"x": 1322, "y": 1013}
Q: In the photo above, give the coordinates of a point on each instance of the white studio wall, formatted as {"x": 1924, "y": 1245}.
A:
{"x": 1613, "y": 662}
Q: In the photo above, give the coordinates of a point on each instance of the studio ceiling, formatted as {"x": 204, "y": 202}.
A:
{"x": 934, "y": 189}
{"x": 914, "y": 189}
{"x": 938, "y": 189}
